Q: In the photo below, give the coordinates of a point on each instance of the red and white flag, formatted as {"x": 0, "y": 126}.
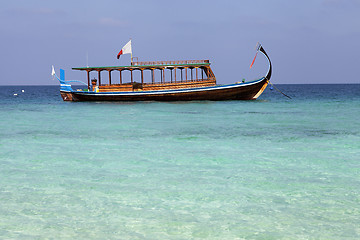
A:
{"x": 258, "y": 47}
{"x": 126, "y": 49}
{"x": 253, "y": 60}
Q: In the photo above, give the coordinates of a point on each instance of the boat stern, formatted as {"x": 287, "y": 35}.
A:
{"x": 66, "y": 91}
{"x": 67, "y": 96}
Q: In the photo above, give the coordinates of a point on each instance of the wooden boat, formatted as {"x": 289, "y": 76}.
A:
{"x": 177, "y": 88}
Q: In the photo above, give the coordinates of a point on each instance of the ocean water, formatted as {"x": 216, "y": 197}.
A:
{"x": 274, "y": 168}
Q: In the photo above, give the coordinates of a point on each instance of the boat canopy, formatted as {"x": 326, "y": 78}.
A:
{"x": 173, "y": 66}
{"x": 151, "y": 65}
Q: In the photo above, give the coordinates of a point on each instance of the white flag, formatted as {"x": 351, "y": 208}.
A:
{"x": 52, "y": 71}
{"x": 126, "y": 49}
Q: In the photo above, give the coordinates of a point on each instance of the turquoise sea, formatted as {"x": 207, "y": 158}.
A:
{"x": 274, "y": 168}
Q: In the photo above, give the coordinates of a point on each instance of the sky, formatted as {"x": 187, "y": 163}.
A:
{"x": 309, "y": 41}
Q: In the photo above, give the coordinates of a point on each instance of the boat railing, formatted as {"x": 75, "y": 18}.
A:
{"x": 183, "y": 81}
{"x": 166, "y": 82}
{"x": 178, "y": 62}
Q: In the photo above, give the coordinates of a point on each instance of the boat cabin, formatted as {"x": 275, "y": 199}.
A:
{"x": 155, "y": 75}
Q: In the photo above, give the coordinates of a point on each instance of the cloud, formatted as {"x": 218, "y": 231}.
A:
{"x": 111, "y": 22}
{"x": 45, "y": 11}
{"x": 341, "y": 3}
{"x": 33, "y": 11}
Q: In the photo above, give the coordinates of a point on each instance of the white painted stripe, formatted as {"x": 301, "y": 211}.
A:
{"x": 170, "y": 91}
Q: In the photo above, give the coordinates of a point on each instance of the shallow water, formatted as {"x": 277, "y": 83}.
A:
{"x": 274, "y": 168}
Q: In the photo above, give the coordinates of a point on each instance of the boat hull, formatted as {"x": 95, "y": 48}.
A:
{"x": 238, "y": 91}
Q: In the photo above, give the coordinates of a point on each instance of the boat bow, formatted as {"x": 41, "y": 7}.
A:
{"x": 268, "y": 75}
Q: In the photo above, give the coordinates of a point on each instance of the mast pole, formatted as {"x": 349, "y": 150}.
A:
{"x": 131, "y": 53}
{"x": 88, "y": 78}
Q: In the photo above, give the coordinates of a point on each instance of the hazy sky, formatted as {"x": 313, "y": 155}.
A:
{"x": 309, "y": 41}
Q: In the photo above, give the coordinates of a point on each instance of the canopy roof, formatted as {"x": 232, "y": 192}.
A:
{"x": 151, "y": 65}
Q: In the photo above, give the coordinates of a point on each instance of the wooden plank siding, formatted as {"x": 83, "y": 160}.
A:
{"x": 240, "y": 91}
{"x": 178, "y": 85}
{"x": 116, "y": 88}
{"x": 156, "y": 86}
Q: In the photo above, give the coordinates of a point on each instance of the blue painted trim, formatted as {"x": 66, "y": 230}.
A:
{"x": 62, "y": 78}
{"x": 68, "y": 81}
{"x": 62, "y": 74}
{"x": 66, "y": 88}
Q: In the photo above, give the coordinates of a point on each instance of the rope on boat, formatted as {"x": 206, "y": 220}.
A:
{"x": 53, "y": 73}
{"x": 279, "y": 90}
